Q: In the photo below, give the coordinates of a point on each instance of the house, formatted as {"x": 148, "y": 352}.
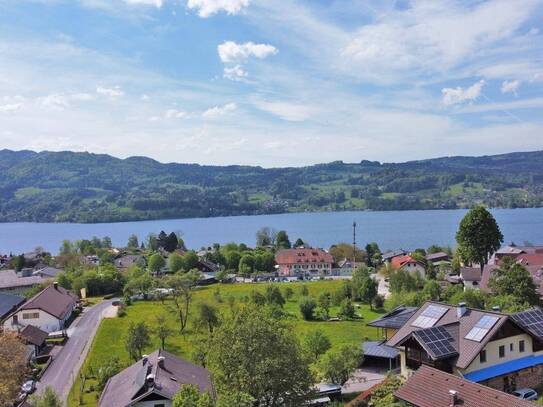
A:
{"x": 34, "y": 339}
{"x": 48, "y": 310}
{"x": 471, "y": 277}
{"x": 47, "y": 272}
{"x": 407, "y": 263}
{"x": 515, "y": 251}
{"x": 388, "y": 256}
{"x": 430, "y": 387}
{"x": 303, "y": 261}
{"x": 4, "y": 260}
{"x": 153, "y": 381}
{"x": 207, "y": 267}
{"x": 486, "y": 347}
{"x": 129, "y": 260}
{"x": 437, "y": 258}
{"x": 19, "y": 283}
{"x": 9, "y": 303}
{"x": 392, "y": 321}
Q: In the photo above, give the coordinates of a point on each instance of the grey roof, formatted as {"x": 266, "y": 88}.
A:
{"x": 395, "y": 319}
{"x": 10, "y": 279}
{"x": 471, "y": 273}
{"x": 33, "y": 335}
{"x": 129, "y": 260}
{"x": 393, "y": 253}
{"x": 379, "y": 349}
{"x": 47, "y": 272}
{"x": 8, "y": 303}
{"x": 131, "y": 384}
{"x": 438, "y": 256}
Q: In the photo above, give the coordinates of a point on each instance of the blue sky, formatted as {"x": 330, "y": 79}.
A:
{"x": 272, "y": 82}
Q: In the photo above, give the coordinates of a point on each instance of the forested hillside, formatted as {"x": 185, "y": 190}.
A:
{"x": 83, "y": 187}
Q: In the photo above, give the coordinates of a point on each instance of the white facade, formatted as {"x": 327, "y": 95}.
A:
{"x": 37, "y": 317}
{"x": 413, "y": 267}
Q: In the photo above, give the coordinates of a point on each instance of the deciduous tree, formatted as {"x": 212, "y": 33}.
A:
{"x": 12, "y": 366}
{"x": 316, "y": 343}
{"x": 338, "y": 366}
{"x": 137, "y": 338}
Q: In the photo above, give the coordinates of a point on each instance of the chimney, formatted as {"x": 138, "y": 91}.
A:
{"x": 496, "y": 308}
{"x": 161, "y": 360}
{"x": 461, "y": 309}
{"x": 453, "y": 397}
{"x": 55, "y": 284}
{"x": 150, "y": 380}
{"x": 144, "y": 359}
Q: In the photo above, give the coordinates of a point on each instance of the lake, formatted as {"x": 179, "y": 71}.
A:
{"x": 395, "y": 229}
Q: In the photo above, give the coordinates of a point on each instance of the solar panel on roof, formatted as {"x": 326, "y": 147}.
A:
{"x": 532, "y": 320}
{"x": 429, "y": 316}
{"x": 481, "y": 328}
{"x": 437, "y": 340}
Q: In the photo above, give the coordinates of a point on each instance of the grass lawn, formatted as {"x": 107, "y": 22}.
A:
{"x": 109, "y": 340}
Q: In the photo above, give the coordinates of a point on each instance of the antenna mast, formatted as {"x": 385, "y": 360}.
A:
{"x": 354, "y": 244}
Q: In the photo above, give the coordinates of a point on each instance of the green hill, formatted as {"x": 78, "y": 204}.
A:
{"x": 83, "y": 187}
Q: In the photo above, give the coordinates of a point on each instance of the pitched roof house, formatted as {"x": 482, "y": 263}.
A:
{"x": 407, "y": 263}
{"x": 34, "y": 339}
{"x": 430, "y": 387}
{"x": 393, "y": 320}
{"x": 388, "y": 256}
{"x": 483, "y": 346}
{"x": 437, "y": 257}
{"x": 47, "y": 272}
{"x": 47, "y": 310}
{"x": 13, "y": 282}
{"x": 303, "y": 261}
{"x": 153, "y": 381}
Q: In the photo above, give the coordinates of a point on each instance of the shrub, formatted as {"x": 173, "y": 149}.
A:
{"x": 307, "y": 307}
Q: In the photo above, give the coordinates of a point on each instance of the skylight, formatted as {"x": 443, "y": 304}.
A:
{"x": 429, "y": 316}
{"x": 481, "y": 328}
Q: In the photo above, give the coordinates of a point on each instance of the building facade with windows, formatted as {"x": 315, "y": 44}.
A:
{"x": 488, "y": 347}
{"x": 303, "y": 262}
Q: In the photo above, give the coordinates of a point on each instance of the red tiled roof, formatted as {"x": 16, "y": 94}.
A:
{"x": 399, "y": 261}
{"x": 303, "y": 256}
{"x": 56, "y": 301}
{"x": 430, "y": 387}
{"x": 530, "y": 259}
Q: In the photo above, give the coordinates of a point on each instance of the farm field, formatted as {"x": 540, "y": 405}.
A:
{"x": 109, "y": 340}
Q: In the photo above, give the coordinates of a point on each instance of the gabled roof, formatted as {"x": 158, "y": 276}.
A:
{"x": 437, "y": 256}
{"x": 531, "y": 320}
{"x": 47, "y": 272}
{"x": 394, "y": 319}
{"x": 458, "y": 327}
{"x": 54, "y": 300}
{"x": 8, "y": 303}
{"x": 303, "y": 256}
{"x": 430, "y": 387}
{"x": 379, "y": 349}
{"x": 530, "y": 259}
{"x": 33, "y": 335}
{"x": 471, "y": 274}
{"x": 393, "y": 253}
{"x": 10, "y": 279}
{"x": 400, "y": 261}
{"x": 131, "y": 384}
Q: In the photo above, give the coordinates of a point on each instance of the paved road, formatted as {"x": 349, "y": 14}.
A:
{"x": 65, "y": 367}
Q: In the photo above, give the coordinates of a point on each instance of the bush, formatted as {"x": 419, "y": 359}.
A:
{"x": 307, "y": 307}
{"x": 346, "y": 309}
{"x": 379, "y": 301}
{"x": 121, "y": 311}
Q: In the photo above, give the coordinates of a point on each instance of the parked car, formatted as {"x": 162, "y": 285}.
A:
{"x": 526, "y": 394}
{"x": 28, "y": 387}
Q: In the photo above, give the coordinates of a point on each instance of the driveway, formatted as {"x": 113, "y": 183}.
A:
{"x": 363, "y": 379}
{"x": 65, "y": 367}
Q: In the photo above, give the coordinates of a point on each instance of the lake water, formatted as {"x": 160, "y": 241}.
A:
{"x": 405, "y": 229}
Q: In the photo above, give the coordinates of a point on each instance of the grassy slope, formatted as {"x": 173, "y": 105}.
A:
{"x": 109, "y": 340}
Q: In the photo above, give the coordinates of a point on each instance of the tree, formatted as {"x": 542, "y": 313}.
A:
{"x": 171, "y": 242}
{"x": 246, "y": 264}
{"x": 232, "y": 259}
{"x": 139, "y": 282}
{"x": 343, "y": 251}
{"x": 156, "y": 262}
{"x": 316, "y": 344}
{"x": 299, "y": 243}
{"x": 265, "y": 237}
{"x": 189, "y": 396}
{"x": 373, "y": 254}
{"x": 133, "y": 242}
{"x": 368, "y": 291}
{"x": 402, "y": 280}
{"x": 47, "y": 399}
{"x": 273, "y": 296}
{"x": 325, "y": 301}
{"x": 175, "y": 263}
{"x": 137, "y": 338}
{"x": 289, "y": 292}
{"x": 431, "y": 291}
{"x": 162, "y": 330}
{"x": 237, "y": 399}
{"x": 282, "y": 241}
{"x": 264, "y": 261}
{"x": 512, "y": 279}
{"x": 346, "y": 309}
{"x": 181, "y": 293}
{"x": 12, "y": 366}
{"x": 478, "y": 236}
{"x": 207, "y": 316}
{"x": 274, "y": 371}
{"x": 307, "y": 308}
{"x": 107, "y": 370}
{"x": 379, "y": 301}
{"x": 190, "y": 260}
{"x": 338, "y": 366}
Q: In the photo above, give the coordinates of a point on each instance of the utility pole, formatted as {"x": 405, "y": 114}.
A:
{"x": 354, "y": 244}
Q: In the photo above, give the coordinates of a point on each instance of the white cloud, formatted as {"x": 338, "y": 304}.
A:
{"x": 510, "y": 86}
{"x": 144, "y": 97}
{"x": 175, "y": 114}
{"x": 287, "y": 111}
{"x": 453, "y": 96}
{"x": 156, "y": 3}
{"x": 231, "y": 52}
{"x": 533, "y": 103}
{"x": 61, "y": 101}
{"x": 235, "y": 73}
{"x": 10, "y": 107}
{"x": 114, "y": 92}
{"x": 219, "y": 111}
{"x": 207, "y": 8}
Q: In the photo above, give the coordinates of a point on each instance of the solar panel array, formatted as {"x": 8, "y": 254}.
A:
{"x": 429, "y": 316}
{"x": 532, "y": 320}
{"x": 437, "y": 341}
{"x": 481, "y": 328}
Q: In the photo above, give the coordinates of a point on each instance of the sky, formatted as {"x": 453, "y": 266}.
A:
{"x": 272, "y": 82}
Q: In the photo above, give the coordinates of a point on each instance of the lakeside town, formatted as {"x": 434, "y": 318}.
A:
{"x": 282, "y": 323}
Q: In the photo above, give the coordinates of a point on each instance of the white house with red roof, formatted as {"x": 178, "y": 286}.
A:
{"x": 303, "y": 261}
{"x": 407, "y": 263}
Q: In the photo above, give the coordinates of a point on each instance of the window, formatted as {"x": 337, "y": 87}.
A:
{"x": 482, "y": 356}
{"x": 31, "y": 315}
{"x": 521, "y": 346}
{"x": 510, "y": 347}
{"x": 502, "y": 351}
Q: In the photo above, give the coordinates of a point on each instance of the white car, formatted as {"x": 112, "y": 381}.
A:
{"x": 526, "y": 394}
{"x": 28, "y": 387}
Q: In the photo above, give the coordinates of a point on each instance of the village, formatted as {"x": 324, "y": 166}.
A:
{"x": 97, "y": 325}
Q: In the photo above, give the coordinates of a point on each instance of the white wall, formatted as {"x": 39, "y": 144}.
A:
{"x": 46, "y": 322}
{"x": 413, "y": 268}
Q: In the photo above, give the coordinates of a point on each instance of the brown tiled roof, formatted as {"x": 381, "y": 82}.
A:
{"x": 457, "y": 327}
{"x": 471, "y": 273}
{"x": 430, "y": 387}
{"x": 131, "y": 384}
{"x": 303, "y": 256}
{"x": 33, "y": 335}
{"x": 56, "y": 301}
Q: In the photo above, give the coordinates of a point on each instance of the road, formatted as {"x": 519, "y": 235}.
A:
{"x": 65, "y": 367}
